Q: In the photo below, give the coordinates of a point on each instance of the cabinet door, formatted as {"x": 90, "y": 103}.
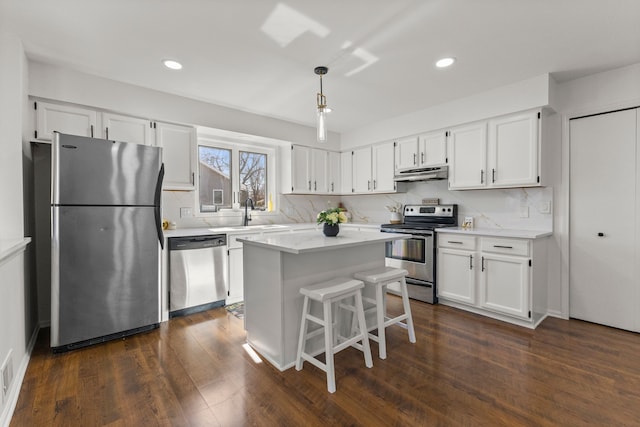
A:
{"x": 432, "y": 149}
{"x": 504, "y": 284}
{"x": 346, "y": 172}
{"x": 406, "y": 153}
{"x": 467, "y": 151}
{"x": 513, "y": 150}
{"x": 362, "y": 170}
{"x": 235, "y": 293}
{"x": 456, "y": 275}
{"x": 383, "y": 171}
{"x": 178, "y": 153}
{"x": 300, "y": 173}
{"x": 319, "y": 171}
{"x": 64, "y": 119}
{"x": 334, "y": 184}
{"x": 127, "y": 129}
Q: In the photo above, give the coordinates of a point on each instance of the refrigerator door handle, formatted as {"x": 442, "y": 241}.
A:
{"x": 156, "y": 203}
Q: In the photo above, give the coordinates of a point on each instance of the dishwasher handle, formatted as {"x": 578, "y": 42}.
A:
{"x": 197, "y": 242}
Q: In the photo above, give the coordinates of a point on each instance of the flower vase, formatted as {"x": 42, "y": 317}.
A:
{"x": 331, "y": 230}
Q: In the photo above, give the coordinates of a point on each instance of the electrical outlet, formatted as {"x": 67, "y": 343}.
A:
{"x": 6, "y": 375}
{"x": 186, "y": 213}
{"x": 545, "y": 207}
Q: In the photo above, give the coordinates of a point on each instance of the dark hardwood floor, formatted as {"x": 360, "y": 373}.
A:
{"x": 463, "y": 370}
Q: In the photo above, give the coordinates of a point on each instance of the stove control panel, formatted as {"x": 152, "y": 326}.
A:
{"x": 430, "y": 210}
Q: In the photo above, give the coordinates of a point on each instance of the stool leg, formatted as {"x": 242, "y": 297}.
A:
{"x": 303, "y": 334}
{"x": 380, "y": 312}
{"x": 407, "y": 310}
{"x": 368, "y": 361}
{"x": 328, "y": 347}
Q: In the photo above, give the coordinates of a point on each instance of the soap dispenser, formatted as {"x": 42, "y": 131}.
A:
{"x": 270, "y": 204}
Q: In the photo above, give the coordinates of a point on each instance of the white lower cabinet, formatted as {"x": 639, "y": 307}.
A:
{"x": 504, "y": 278}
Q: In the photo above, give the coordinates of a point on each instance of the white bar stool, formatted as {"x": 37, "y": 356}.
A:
{"x": 380, "y": 278}
{"x": 327, "y": 293}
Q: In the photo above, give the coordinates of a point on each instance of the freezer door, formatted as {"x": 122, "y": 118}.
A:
{"x": 105, "y": 272}
{"x": 91, "y": 171}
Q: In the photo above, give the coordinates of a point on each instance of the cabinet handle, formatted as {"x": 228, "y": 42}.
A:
{"x": 503, "y": 247}
{"x": 315, "y": 185}
{"x": 422, "y": 157}
{"x": 481, "y": 176}
{"x": 193, "y": 178}
{"x": 470, "y": 262}
{"x": 332, "y": 187}
{"x": 309, "y": 185}
{"x": 493, "y": 175}
{"x": 600, "y": 234}
{"x": 368, "y": 185}
{"x": 91, "y": 131}
{"x": 414, "y": 158}
{"x": 453, "y": 241}
{"x": 374, "y": 184}
{"x": 482, "y": 264}
{"x": 106, "y": 131}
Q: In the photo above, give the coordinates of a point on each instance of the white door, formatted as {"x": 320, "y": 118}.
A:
{"x": 456, "y": 275}
{"x": 603, "y": 263}
{"x": 346, "y": 172}
{"x": 467, "y": 152}
{"x": 333, "y": 172}
{"x": 433, "y": 149}
{"x": 300, "y": 163}
{"x": 319, "y": 170}
{"x": 236, "y": 276}
{"x": 513, "y": 150}
{"x": 361, "y": 169}
{"x": 178, "y": 153}
{"x": 504, "y": 284}
{"x": 64, "y": 119}
{"x": 406, "y": 153}
{"x": 127, "y": 129}
{"x": 383, "y": 172}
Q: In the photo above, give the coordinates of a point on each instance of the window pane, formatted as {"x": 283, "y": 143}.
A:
{"x": 215, "y": 178}
{"x": 253, "y": 178}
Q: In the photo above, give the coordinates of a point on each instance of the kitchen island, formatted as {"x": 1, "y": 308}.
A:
{"x": 276, "y": 267}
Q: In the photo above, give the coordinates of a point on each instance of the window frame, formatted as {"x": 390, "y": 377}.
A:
{"x": 235, "y": 147}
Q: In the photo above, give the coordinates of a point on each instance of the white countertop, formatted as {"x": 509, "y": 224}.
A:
{"x": 205, "y": 231}
{"x": 10, "y": 247}
{"x": 495, "y": 232}
{"x": 315, "y": 241}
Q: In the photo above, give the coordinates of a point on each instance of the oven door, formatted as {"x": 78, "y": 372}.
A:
{"x": 414, "y": 255}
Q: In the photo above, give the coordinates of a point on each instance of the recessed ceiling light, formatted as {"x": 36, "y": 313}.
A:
{"x": 174, "y": 65}
{"x": 445, "y": 62}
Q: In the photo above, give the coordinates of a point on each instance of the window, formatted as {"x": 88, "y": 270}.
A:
{"x": 231, "y": 173}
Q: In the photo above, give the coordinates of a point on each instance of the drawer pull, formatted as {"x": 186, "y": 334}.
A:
{"x": 453, "y": 241}
{"x": 503, "y": 247}
{"x": 470, "y": 262}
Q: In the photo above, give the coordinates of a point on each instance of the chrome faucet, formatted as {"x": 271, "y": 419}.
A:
{"x": 247, "y": 216}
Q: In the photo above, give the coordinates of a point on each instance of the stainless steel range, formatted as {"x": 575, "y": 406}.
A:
{"x": 417, "y": 255}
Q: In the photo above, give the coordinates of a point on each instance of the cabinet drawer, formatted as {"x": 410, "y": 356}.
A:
{"x": 505, "y": 246}
{"x": 456, "y": 241}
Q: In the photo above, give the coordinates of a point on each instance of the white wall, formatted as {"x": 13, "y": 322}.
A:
{"x": 16, "y": 311}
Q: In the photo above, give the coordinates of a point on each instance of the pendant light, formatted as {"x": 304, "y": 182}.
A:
{"x": 322, "y": 107}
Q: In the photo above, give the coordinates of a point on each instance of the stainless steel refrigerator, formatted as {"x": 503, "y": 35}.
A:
{"x": 106, "y": 240}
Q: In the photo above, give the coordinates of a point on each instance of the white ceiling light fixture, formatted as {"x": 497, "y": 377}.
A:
{"x": 445, "y": 62}
{"x": 172, "y": 64}
{"x": 322, "y": 107}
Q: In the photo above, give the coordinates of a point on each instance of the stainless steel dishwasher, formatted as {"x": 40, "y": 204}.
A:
{"x": 198, "y": 273}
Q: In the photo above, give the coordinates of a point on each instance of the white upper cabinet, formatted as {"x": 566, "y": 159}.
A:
{"x": 373, "y": 169}
{"x": 498, "y": 153}
{"x": 319, "y": 159}
{"x": 178, "y": 153}
{"x": 64, "y": 119}
{"x": 406, "y": 153}
{"x": 346, "y": 173}
{"x": 432, "y": 149}
{"x": 513, "y": 150}
{"x": 467, "y": 152}
{"x": 128, "y": 129}
{"x": 300, "y": 176}
{"x": 334, "y": 175}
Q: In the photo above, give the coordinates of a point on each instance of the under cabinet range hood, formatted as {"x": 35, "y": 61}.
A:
{"x": 422, "y": 174}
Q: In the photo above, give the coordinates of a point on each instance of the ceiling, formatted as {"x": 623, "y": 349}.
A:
{"x": 259, "y": 55}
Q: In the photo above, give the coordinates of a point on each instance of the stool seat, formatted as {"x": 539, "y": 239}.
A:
{"x": 382, "y": 274}
{"x": 333, "y": 291}
{"x": 379, "y": 278}
{"x": 331, "y": 288}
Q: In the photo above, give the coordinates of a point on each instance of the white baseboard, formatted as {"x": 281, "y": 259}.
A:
{"x": 16, "y": 385}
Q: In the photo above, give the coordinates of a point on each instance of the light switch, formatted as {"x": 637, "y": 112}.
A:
{"x": 545, "y": 207}
{"x": 186, "y": 213}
